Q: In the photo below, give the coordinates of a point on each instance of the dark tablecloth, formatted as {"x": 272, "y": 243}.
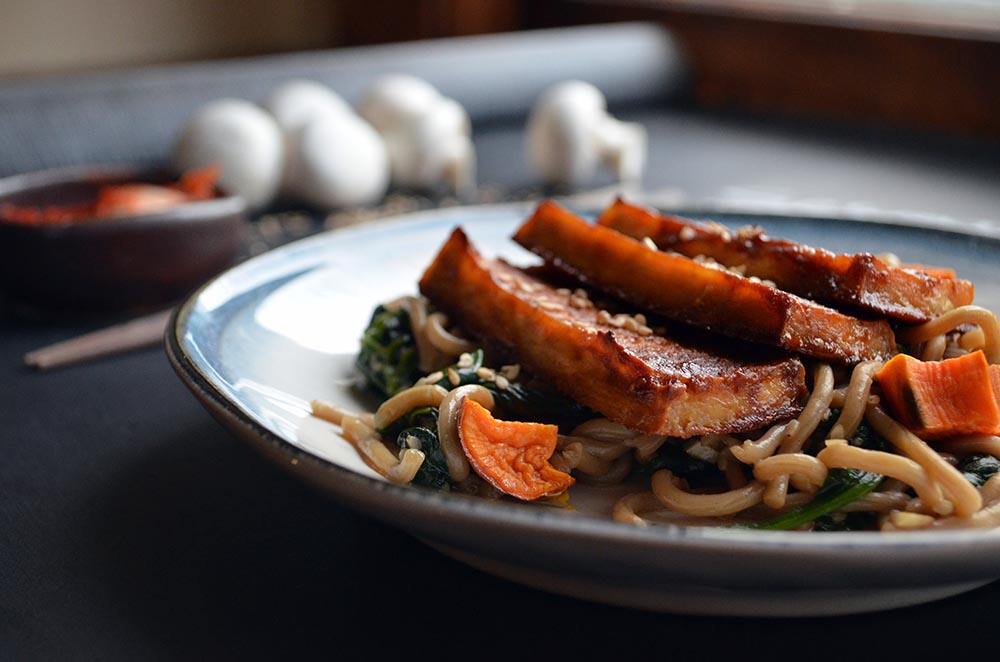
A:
{"x": 134, "y": 527}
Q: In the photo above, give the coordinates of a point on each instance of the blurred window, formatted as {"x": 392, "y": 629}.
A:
{"x": 961, "y": 18}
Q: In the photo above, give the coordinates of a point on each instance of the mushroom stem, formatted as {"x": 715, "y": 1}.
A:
{"x": 622, "y": 146}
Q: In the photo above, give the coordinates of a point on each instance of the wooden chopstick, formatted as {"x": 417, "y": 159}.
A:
{"x": 135, "y": 334}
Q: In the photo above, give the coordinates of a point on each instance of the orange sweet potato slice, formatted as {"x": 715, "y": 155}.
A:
{"x": 199, "y": 184}
{"x": 938, "y": 399}
{"x": 512, "y": 456}
{"x": 911, "y": 293}
{"x": 995, "y": 381}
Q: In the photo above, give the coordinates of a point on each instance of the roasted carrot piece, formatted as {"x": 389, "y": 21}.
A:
{"x": 199, "y": 184}
{"x": 937, "y": 399}
{"x": 135, "y": 199}
{"x": 995, "y": 381}
{"x": 512, "y": 456}
{"x": 117, "y": 200}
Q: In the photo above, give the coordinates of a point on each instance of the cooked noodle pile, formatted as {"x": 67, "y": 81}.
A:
{"x": 759, "y": 475}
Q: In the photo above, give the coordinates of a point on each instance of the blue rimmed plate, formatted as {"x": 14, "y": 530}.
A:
{"x": 260, "y": 341}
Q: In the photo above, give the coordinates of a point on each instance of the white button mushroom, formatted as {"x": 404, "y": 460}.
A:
{"x": 428, "y": 135}
{"x": 334, "y": 158}
{"x": 570, "y": 136}
{"x": 242, "y": 140}
{"x": 337, "y": 160}
{"x": 295, "y": 101}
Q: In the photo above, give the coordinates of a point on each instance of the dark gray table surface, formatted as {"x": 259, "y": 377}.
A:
{"x": 134, "y": 527}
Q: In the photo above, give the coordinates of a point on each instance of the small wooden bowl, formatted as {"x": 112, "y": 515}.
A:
{"x": 114, "y": 263}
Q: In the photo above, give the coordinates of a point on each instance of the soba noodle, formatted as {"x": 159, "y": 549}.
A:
{"x": 760, "y": 474}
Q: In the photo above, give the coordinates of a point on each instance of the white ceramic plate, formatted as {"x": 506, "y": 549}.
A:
{"x": 260, "y": 341}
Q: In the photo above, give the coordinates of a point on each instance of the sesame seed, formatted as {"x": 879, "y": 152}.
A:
{"x": 687, "y": 234}
{"x": 563, "y": 291}
{"x": 719, "y": 229}
{"x": 453, "y": 377}
{"x": 486, "y": 373}
{"x": 434, "y": 376}
{"x": 412, "y": 441}
{"x": 644, "y": 330}
{"x": 551, "y": 305}
{"x": 650, "y": 243}
{"x": 502, "y": 382}
{"x": 640, "y": 318}
{"x": 464, "y": 360}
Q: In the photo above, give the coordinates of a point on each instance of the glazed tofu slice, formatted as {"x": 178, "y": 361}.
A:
{"x": 706, "y": 296}
{"x": 861, "y": 281}
{"x": 616, "y": 365}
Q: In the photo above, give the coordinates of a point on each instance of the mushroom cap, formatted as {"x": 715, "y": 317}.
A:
{"x": 337, "y": 160}
{"x": 433, "y": 148}
{"x": 560, "y": 145}
{"x": 295, "y": 101}
{"x": 570, "y": 135}
{"x": 397, "y": 98}
{"x": 240, "y": 138}
{"x": 428, "y": 135}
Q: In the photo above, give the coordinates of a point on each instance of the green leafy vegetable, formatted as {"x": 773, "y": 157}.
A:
{"x": 698, "y": 473}
{"x": 417, "y": 429}
{"x": 858, "y": 521}
{"x": 425, "y": 417}
{"x": 842, "y": 486}
{"x": 433, "y": 472}
{"x": 866, "y": 437}
{"x": 979, "y": 468}
{"x": 516, "y": 401}
{"x": 388, "y": 360}
{"x": 388, "y": 355}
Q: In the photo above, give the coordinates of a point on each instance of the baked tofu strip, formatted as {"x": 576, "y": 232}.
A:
{"x": 708, "y": 297}
{"x": 860, "y": 281}
{"x": 619, "y": 368}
